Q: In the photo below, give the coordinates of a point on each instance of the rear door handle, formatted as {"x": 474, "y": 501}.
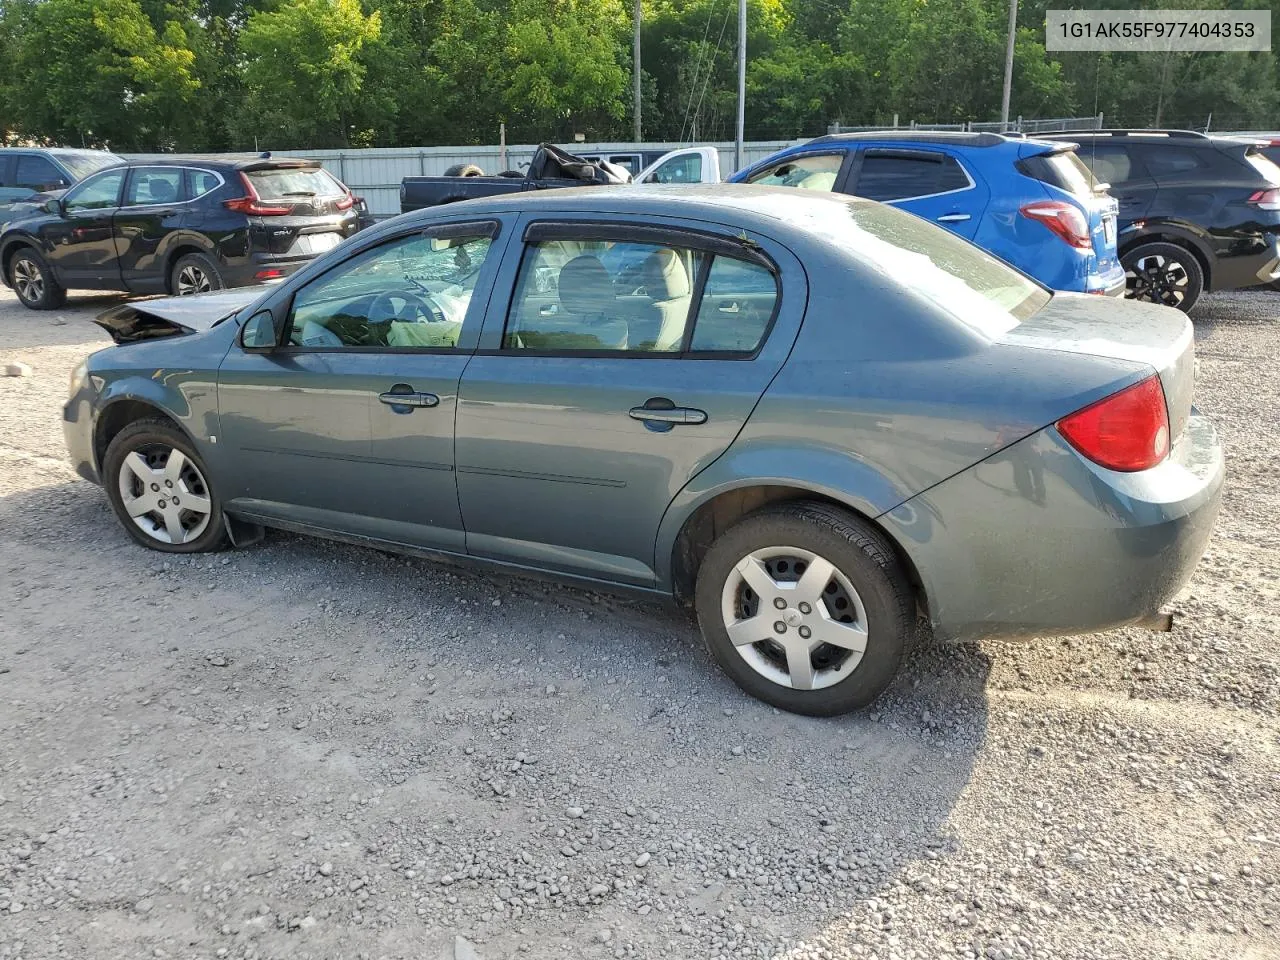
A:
{"x": 953, "y": 217}
{"x": 409, "y": 399}
{"x": 687, "y": 415}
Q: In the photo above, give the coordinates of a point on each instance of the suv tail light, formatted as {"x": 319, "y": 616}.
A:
{"x": 1126, "y": 431}
{"x": 1266, "y": 199}
{"x": 1062, "y": 218}
{"x": 253, "y": 205}
{"x": 345, "y": 202}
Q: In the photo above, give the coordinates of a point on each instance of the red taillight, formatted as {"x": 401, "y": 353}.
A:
{"x": 346, "y": 203}
{"x": 252, "y": 204}
{"x": 1266, "y": 199}
{"x": 1063, "y": 219}
{"x": 268, "y": 274}
{"x": 1126, "y": 431}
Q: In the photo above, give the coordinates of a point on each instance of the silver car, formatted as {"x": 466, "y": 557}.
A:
{"x": 816, "y": 420}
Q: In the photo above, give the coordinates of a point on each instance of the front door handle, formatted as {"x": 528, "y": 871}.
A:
{"x": 672, "y": 415}
{"x": 953, "y": 217}
{"x": 409, "y": 399}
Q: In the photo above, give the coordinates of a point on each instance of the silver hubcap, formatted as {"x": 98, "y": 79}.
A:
{"x": 165, "y": 494}
{"x": 1158, "y": 279}
{"x": 28, "y": 279}
{"x": 794, "y": 618}
{"x": 191, "y": 279}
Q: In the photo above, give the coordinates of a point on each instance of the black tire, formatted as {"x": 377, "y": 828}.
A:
{"x": 464, "y": 170}
{"x": 148, "y": 437}
{"x": 862, "y": 555}
{"x": 32, "y": 280}
{"x": 195, "y": 273}
{"x": 1163, "y": 273}
{"x": 513, "y": 174}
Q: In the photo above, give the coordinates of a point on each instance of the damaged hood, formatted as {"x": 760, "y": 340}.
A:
{"x": 173, "y": 316}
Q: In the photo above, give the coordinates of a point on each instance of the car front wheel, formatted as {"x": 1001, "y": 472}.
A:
{"x": 33, "y": 281}
{"x": 806, "y": 607}
{"x": 159, "y": 488}
{"x": 1163, "y": 273}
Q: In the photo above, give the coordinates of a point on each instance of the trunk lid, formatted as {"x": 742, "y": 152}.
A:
{"x": 1123, "y": 330}
{"x": 174, "y": 316}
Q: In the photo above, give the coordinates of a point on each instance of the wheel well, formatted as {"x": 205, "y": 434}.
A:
{"x": 178, "y": 253}
{"x": 118, "y": 416}
{"x": 7, "y": 255}
{"x": 1177, "y": 242}
{"x": 721, "y": 512}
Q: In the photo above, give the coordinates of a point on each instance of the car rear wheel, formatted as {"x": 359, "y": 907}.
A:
{"x": 1163, "y": 273}
{"x": 195, "y": 273}
{"x": 32, "y": 280}
{"x": 159, "y": 488}
{"x": 806, "y": 608}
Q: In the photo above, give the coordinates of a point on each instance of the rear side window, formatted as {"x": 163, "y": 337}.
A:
{"x": 291, "y": 183}
{"x": 37, "y": 173}
{"x": 890, "y": 176}
{"x": 601, "y": 296}
{"x": 813, "y": 172}
{"x": 1162, "y": 161}
{"x": 200, "y": 182}
{"x": 152, "y": 186}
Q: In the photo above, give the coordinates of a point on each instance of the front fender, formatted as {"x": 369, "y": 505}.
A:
{"x": 188, "y": 398}
{"x": 827, "y": 472}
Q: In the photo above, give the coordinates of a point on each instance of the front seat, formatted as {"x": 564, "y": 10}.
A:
{"x": 161, "y": 190}
{"x": 589, "y": 315}
{"x": 666, "y": 283}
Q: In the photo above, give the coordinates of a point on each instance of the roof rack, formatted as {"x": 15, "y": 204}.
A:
{"x": 972, "y": 138}
{"x": 1128, "y": 132}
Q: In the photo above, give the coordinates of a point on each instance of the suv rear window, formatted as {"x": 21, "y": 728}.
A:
{"x": 285, "y": 182}
{"x": 984, "y": 293}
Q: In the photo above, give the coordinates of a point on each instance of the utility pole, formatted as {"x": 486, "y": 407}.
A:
{"x": 635, "y": 71}
{"x": 1008, "y": 66}
{"x": 742, "y": 83}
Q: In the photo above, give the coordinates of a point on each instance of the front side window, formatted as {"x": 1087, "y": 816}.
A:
{"x": 153, "y": 185}
{"x": 37, "y": 174}
{"x": 603, "y": 296}
{"x": 412, "y": 292}
{"x": 97, "y": 193}
{"x": 813, "y": 172}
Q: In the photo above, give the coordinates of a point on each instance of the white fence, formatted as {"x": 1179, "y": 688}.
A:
{"x": 375, "y": 173}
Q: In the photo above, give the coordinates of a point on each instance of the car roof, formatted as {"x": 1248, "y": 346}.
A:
{"x": 233, "y": 161}
{"x": 955, "y": 138}
{"x": 58, "y": 151}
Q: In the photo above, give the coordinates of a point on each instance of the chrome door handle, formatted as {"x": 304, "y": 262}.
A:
{"x": 953, "y": 217}
{"x": 409, "y": 399}
{"x": 686, "y": 415}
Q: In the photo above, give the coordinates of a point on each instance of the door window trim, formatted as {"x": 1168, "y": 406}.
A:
{"x": 168, "y": 166}
{"x": 443, "y": 231}
{"x": 912, "y": 153}
{"x": 713, "y": 244}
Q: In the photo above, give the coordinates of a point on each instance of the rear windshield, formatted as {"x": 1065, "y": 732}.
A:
{"x": 982, "y": 292}
{"x": 83, "y": 164}
{"x": 1264, "y": 165}
{"x": 282, "y": 183}
{"x": 1070, "y": 174}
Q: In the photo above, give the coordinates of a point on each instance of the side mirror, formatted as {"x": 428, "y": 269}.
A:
{"x": 55, "y": 206}
{"x": 258, "y": 335}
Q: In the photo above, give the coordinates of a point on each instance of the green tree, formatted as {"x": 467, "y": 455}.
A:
{"x": 304, "y": 74}
{"x": 98, "y": 72}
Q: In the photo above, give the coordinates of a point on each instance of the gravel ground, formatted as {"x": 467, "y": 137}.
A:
{"x": 317, "y": 751}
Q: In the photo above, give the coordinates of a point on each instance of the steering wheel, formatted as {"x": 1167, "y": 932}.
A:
{"x": 404, "y": 306}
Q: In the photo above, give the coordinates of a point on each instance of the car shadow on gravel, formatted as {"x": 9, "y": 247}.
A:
{"x": 27, "y": 329}
{"x": 521, "y": 763}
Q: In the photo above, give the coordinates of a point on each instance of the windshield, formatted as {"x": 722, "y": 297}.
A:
{"x": 284, "y": 182}
{"x": 83, "y": 164}
{"x": 979, "y": 290}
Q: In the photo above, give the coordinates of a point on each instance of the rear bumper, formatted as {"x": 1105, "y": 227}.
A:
{"x": 260, "y": 267}
{"x": 1113, "y": 283}
{"x": 1037, "y": 541}
{"x": 1249, "y": 269}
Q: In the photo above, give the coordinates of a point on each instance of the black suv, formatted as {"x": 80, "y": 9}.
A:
{"x": 1197, "y": 212}
{"x": 178, "y": 225}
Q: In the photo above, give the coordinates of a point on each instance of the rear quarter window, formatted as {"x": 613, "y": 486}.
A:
{"x": 1065, "y": 170}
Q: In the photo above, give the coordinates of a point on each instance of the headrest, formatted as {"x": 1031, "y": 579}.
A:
{"x": 663, "y": 275}
{"x": 586, "y": 289}
{"x": 161, "y": 190}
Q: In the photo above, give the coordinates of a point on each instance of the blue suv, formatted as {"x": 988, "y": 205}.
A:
{"x": 1032, "y": 203}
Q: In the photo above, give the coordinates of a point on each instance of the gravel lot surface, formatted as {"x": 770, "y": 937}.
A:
{"x": 309, "y": 750}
